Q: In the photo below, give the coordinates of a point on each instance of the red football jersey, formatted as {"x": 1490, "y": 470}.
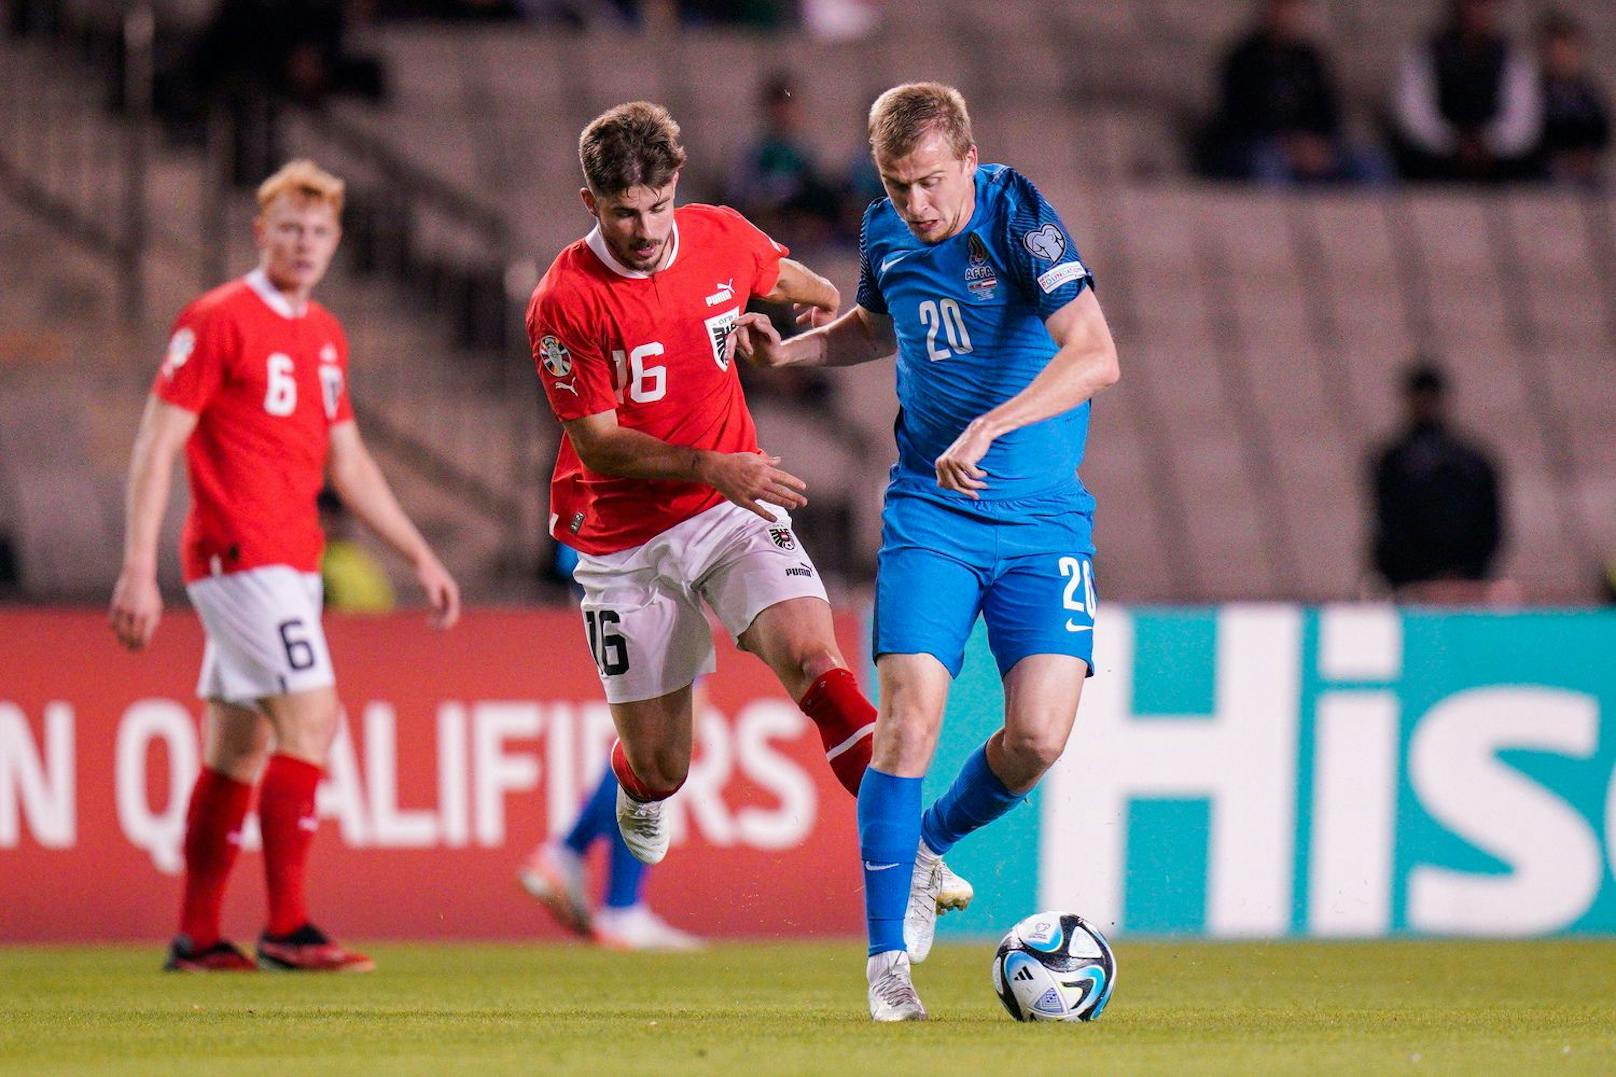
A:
{"x": 267, "y": 385}
{"x": 651, "y": 346}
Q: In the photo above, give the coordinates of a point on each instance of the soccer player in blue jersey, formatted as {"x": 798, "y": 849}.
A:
{"x": 970, "y": 276}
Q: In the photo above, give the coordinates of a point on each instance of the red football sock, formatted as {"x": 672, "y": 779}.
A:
{"x": 286, "y": 816}
{"x": 630, "y": 781}
{"x": 212, "y": 840}
{"x": 846, "y": 724}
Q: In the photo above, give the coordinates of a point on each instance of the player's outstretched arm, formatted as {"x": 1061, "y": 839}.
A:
{"x": 1085, "y": 364}
{"x": 745, "y": 478}
{"x": 137, "y": 605}
{"x": 814, "y": 299}
{"x": 859, "y": 336}
{"x": 363, "y": 488}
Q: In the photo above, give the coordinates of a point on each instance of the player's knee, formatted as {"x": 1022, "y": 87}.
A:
{"x": 904, "y": 741}
{"x": 817, "y": 660}
{"x": 1034, "y": 750}
{"x": 242, "y": 762}
{"x": 665, "y": 770}
{"x": 307, "y": 729}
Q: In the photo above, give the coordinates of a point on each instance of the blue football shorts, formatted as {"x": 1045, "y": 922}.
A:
{"x": 1027, "y": 566}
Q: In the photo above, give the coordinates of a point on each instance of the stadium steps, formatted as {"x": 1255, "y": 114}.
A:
{"x": 440, "y": 405}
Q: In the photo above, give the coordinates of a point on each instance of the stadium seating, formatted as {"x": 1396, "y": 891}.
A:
{"x": 1261, "y": 335}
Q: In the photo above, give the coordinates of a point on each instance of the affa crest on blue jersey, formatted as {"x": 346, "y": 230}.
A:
{"x": 1046, "y": 243}
{"x": 979, "y": 276}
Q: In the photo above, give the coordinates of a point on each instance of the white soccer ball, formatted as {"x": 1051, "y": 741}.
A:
{"x": 1054, "y": 967}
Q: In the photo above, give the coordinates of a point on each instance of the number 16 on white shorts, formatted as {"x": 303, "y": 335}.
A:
{"x": 642, "y": 606}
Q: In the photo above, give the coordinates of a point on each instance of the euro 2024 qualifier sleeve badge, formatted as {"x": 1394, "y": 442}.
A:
{"x": 555, "y": 357}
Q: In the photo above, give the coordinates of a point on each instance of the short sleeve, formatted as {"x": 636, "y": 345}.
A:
{"x": 764, "y": 251}
{"x": 869, "y": 289}
{"x": 199, "y": 351}
{"x": 1043, "y": 260}
{"x": 576, "y": 376}
{"x": 340, "y": 406}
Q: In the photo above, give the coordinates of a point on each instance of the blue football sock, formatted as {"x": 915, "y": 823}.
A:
{"x": 976, "y": 798}
{"x": 625, "y": 873}
{"x": 889, "y": 831}
{"x": 598, "y": 816}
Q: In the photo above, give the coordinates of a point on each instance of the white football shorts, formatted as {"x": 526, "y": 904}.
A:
{"x": 264, "y": 634}
{"x": 642, "y": 606}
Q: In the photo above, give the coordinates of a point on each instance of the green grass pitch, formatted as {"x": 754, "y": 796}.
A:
{"x": 1392, "y": 1007}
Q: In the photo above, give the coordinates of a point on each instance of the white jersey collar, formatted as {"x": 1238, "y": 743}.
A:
{"x": 258, "y": 281}
{"x": 597, "y": 243}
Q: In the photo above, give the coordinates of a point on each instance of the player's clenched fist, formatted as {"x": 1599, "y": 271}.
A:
{"x": 957, "y": 468}
{"x": 758, "y": 341}
{"x": 136, "y": 608}
{"x": 749, "y": 478}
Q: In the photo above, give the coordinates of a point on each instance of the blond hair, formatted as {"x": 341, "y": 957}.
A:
{"x": 302, "y": 180}
{"x": 905, "y": 115}
{"x": 632, "y": 145}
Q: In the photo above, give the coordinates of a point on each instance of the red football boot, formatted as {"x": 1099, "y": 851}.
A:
{"x": 220, "y": 957}
{"x": 308, "y": 949}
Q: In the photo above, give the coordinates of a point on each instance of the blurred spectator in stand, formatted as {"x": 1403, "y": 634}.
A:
{"x": 1469, "y": 102}
{"x": 10, "y": 565}
{"x": 354, "y": 581}
{"x": 1576, "y": 119}
{"x": 1438, "y": 518}
{"x": 780, "y": 187}
{"x": 254, "y": 54}
{"x": 755, "y": 14}
{"x": 473, "y": 10}
{"x": 1279, "y": 119}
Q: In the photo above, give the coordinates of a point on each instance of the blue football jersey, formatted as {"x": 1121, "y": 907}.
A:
{"x": 969, "y": 317}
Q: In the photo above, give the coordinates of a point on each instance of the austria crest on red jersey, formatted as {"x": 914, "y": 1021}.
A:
{"x": 720, "y": 327}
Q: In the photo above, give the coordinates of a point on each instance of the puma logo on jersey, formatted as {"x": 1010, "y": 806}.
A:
{"x": 569, "y": 386}
{"x": 726, "y": 292}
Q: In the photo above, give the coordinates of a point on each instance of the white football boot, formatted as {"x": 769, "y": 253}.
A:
{"x": 554, "y": 877}
{"x": 892, "y": 992}
{"x": 638, "y": 928}
{"x": 645, "y": 831}
{"x": 920, "y": 918}
{"x": 953, "y": 892}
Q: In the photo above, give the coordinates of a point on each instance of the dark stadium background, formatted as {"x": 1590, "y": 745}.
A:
{"x": 1444, "y": 750}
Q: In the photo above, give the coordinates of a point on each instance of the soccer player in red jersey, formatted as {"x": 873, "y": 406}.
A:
{"x": 254, "y": 386}
{"x": 660, "y": 485}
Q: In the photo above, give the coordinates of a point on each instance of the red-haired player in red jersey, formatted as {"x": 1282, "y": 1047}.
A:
{"x": 660, "y": 485}
{"x": 254, "y": 386}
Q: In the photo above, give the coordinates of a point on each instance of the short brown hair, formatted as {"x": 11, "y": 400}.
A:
{"x": 904, "y": 115}
{"x": 303, "y": 180}
{"x": 632, "y": 145}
